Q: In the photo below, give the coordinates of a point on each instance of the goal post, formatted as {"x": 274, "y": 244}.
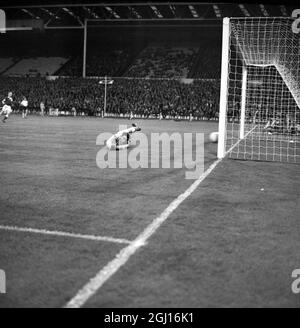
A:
{"x": 243, "y": 102}
{"x": 259, "y": 114}
{"x": 224, "y": 87}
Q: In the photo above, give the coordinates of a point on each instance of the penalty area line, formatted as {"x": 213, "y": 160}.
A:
{"x": 64, "y": 234}
{"x": 88, "y": 290}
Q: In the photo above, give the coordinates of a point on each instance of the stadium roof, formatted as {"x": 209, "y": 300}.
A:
{"x": 67, "y": 14}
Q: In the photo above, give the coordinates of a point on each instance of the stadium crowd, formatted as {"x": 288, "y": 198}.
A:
{"x": 152, "y": 97}
{"x": 163, "y": 61}
{"x": 208, "y": 62}
{"x": 144, "y": 97}
{"x": 107, "y": 61}
{"x": 152, "y": 62}
{"x": 111, "y": 62}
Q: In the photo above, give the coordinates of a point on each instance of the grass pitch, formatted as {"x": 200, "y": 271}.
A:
{"x": 233, "y": 242}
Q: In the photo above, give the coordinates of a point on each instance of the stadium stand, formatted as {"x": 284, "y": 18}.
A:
{"x": 147, "y": 68}
{"x": 5, "y": 63}
{"x": 72, "y": 67}
{"x": 163, "y": 61}
{"x": 171, "y": 98}
{"x": 101, "y": 61}
{"x": 143, "y": 97}
{"x": 36, "y": 66}
{"x": 208, "y": 62}
{"x": 109, "y": 61}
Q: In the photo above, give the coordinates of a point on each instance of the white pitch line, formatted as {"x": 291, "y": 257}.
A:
{"x": 234, "y": 145}
{"x": 64, "y": 234}
{"x": 88, "y": 290}
{"x": 123, "y": 256}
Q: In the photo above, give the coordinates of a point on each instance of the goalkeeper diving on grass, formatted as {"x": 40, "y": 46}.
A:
{"x": 121, "y": 140}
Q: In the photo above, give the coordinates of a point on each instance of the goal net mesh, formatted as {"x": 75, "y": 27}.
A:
{"x": 263, "y": 97}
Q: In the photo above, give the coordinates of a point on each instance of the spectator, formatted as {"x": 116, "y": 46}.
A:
{"x": 144, "y": 97}
{"x": 162, "y": 61}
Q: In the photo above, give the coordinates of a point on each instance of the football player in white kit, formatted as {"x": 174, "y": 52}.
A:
{"x": 7, "y": 106}
{"x": 121, "y": 139}
{"x": 24, "y": 107}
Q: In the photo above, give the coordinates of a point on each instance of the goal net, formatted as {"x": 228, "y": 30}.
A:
{"x": 260, "y": 90}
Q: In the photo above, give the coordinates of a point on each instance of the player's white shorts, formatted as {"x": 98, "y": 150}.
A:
{"x": 110, "y": 143}
{"x": 24, "y": 103}
{"x": 117, "y": 142}
{"x": 121, "y": 140}
{"x": 6, "y": 110}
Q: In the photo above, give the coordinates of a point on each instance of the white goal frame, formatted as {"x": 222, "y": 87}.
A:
{"x": 251, "y": 59}
{"x": 224, "y": 87}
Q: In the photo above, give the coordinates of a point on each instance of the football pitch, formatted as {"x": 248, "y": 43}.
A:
{"x": 72, "y": 234}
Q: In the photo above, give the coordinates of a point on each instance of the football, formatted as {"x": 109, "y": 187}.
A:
{"x": 213, "y": 137}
